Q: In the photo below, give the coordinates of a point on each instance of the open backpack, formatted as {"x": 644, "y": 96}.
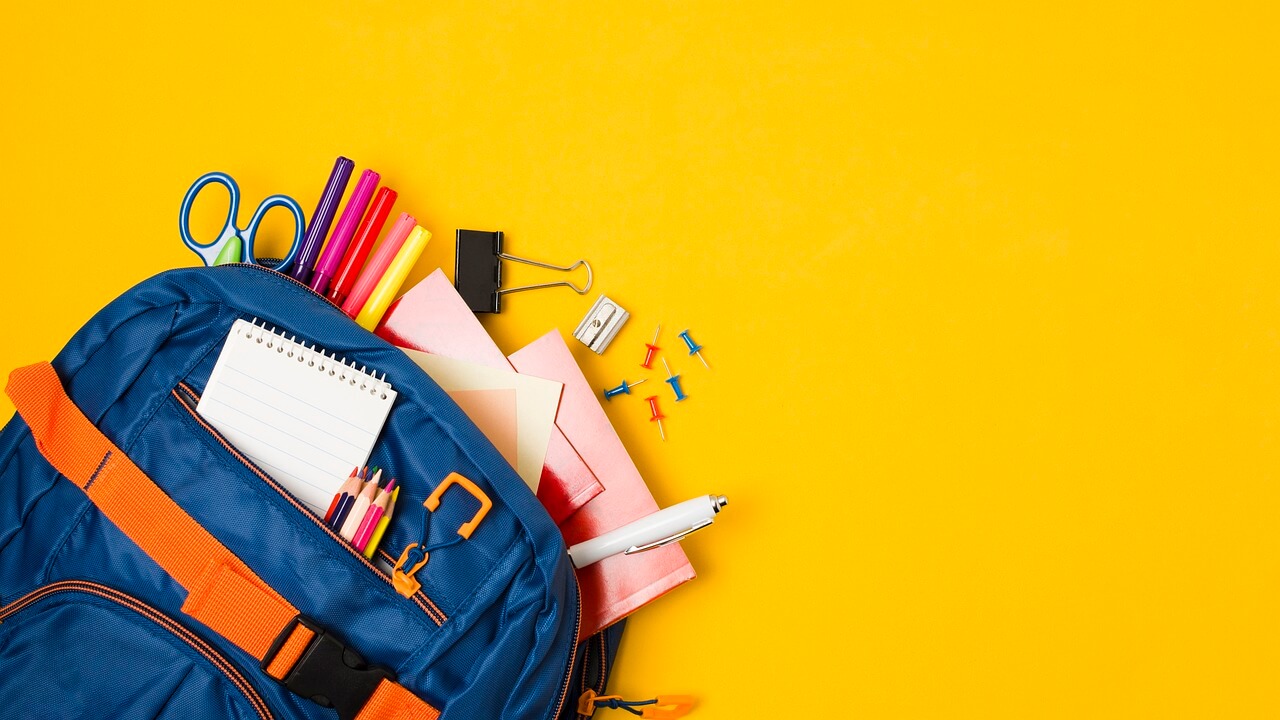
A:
{"x": 149, "y": 570}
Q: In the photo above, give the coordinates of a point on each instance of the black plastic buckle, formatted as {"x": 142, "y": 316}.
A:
{"x": 328, "y": 672}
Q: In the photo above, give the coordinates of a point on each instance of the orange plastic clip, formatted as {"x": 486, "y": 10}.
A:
{"x": 467, "y": 528}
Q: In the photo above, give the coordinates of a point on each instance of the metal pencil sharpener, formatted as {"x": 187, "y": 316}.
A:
{"x": 601, "y": 325}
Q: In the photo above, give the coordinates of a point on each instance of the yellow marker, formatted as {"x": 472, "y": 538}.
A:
{"x": 372, "y": 546}
{"x": 387, "y": 288}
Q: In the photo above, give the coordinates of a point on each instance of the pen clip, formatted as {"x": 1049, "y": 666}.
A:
{"x": 667, "y": 540}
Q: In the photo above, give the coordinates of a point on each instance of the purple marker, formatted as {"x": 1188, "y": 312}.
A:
{"x": 322, "y": 219}
{"x": 331, "y": 258}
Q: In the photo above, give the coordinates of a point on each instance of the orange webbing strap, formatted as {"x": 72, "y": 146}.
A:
{"x": 392, "y": 702}
{"x": 289, "y": 653}
{"x": 222, "y": 592}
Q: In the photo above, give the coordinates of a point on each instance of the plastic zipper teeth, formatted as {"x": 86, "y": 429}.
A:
{"x": 174, "y": 627}
{"x": 420, "y": 598}
{"x": 573, "y": 651}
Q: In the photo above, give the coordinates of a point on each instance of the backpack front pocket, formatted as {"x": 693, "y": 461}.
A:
{"x": 88, "y": 650}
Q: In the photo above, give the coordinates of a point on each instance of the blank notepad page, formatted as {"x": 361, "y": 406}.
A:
{"x": 304, "y": 417}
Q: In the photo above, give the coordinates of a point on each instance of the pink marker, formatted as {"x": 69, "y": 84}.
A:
{"x": 331, "y": 258}
{"x": 385, "y": 253}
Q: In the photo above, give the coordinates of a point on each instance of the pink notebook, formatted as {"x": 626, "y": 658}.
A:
{"x": 616, "y": 586}
{"x": 433, "y": 318}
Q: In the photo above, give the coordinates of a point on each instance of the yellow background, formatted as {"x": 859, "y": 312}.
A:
{"x": 988, "y": 293}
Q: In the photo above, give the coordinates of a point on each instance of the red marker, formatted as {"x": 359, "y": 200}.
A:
{"x": 361, "y": 244}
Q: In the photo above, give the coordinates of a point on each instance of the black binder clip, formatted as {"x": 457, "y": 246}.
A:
{"x": 478, "y": 271}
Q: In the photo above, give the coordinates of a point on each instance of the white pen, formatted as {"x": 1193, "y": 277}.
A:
{"x": 661, "y": 528}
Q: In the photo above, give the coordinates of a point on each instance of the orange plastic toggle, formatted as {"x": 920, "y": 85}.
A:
{"x": 467, "y": 528}
{"x": 403, "y": 580}
{"x": 670, "y": 707}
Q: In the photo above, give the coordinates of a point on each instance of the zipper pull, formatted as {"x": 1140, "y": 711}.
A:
{"x": 402, "y": 580}
{"x": 662, "y": 707}
{"x": 415, "y": 555}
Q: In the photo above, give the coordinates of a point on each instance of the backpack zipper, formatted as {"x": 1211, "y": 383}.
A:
{"x": 573, "y": 649}
{"x": 216, "y": 658}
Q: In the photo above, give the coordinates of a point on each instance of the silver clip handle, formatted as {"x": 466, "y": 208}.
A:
{"x": 668, "y": 540}
{"x": 561, "y": 268}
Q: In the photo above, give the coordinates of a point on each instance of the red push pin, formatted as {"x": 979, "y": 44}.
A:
{"x": 657, "y": 415}
{"x": 653, "y": 349}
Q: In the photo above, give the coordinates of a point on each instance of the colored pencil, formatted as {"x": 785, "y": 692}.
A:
{"x": 372, "y": 516}
{"x": 347, "y": 487}
{"x": 374, "y": 540}
{"x": 359, "y": 508}
{"x": 344, "y": 505}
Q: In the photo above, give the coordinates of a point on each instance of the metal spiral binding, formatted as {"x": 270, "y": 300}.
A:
{"x": 315, "y": 357}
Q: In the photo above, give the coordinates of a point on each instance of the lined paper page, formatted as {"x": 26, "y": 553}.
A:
{"x": 304, "y": 418}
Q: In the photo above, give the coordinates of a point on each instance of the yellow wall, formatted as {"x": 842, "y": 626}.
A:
{"x": 988, "y": 292}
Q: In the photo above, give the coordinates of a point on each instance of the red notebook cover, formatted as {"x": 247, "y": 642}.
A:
{"x": 616, "y": 586}
{"x": 433, "y": 318}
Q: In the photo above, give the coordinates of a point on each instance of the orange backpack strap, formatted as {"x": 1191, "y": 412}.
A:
{"x": 222, "y": 592}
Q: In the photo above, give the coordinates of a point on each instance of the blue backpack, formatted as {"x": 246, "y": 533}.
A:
{"x": 148, "y": 570}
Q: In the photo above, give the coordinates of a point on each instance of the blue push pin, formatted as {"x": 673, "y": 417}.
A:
{"x": 623, "y": 389}
{"x": 694, "y": 348}
{"x": 674, "y": 382}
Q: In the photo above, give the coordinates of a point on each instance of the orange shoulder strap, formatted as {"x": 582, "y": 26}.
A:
{"x": 222, "y": 592}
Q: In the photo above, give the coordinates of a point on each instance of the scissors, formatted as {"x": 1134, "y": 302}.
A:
{"x": 236, "y": 244}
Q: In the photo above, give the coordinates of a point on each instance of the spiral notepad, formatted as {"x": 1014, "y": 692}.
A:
{"x": 302, "y": 415}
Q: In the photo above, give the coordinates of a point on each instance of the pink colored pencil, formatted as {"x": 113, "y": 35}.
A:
{"x": 382, "y": 258}
{"x": 371, "y": 518}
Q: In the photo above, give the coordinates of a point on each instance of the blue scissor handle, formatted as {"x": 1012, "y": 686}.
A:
{"x": 251, "y": 232}
{"x": 208, "y": 252}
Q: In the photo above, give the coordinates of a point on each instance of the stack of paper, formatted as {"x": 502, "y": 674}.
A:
{"x": 588, "y": 482}
{"x": 516, "y": 412}
{"x": 433, "y": 318}
{"x": 616, "y": 586}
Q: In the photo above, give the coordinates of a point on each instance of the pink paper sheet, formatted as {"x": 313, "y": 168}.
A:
{"x": 433, "y": 318}
{"x": 617, "y": 586}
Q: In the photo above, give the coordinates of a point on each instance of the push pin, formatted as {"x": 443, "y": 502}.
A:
{"x": 657, "y": 415}
{"x": 623, "y": 389}
{"x": 653, "y": 349}
{"x": 694, "y": 348}
{"x": 673, "y": 381}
